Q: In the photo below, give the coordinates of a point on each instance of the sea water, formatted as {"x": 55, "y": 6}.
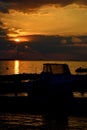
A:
{"x": 27, "y": 121}
{"x": 20, "y": 66}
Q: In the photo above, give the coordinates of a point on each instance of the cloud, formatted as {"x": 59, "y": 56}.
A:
{"x": 3, "y": 31}
{"x": 56, "y": 44}
{"x": 76, "y": 39}
{"x": 1, "y": 23}
{"x": 4, "y": 7}
{"x": 32, "y": 5}
{"x": 46, "y": 47}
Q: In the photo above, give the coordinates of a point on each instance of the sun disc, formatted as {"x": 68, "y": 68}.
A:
{"x": 17, "y": 40}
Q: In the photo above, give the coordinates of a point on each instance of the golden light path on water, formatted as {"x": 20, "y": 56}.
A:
{"x": 16, "y": 67}
{"x": 16, "y": 71}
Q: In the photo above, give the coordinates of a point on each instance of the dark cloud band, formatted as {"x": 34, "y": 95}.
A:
{"x": 31, "y": 5}
{"x": 4, "y": 7}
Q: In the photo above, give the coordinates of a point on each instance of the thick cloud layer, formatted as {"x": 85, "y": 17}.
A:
{"x": 22, "y": 5}
{"x": 52, "y": 47}
{"x": 4, "y": 7}
{"x": 46, "y": 47}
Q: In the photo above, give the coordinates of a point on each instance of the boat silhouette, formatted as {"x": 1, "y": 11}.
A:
{"x": 80, "y": 70}
{"x": 52, "y": 90}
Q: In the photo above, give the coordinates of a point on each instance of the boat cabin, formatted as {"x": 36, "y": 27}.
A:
{"x": 54, "y": 68}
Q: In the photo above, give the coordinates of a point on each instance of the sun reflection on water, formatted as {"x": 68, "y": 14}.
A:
{"x": 16, "y": 67}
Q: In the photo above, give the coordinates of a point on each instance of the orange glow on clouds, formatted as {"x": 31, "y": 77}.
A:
{"x": 19, "y": 39}
{"x": 49, "y": 20}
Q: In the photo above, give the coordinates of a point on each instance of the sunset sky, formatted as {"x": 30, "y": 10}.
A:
{"x": 43, "y": 29}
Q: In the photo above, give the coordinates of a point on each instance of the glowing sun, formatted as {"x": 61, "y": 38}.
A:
{"x": 17, "y": 40}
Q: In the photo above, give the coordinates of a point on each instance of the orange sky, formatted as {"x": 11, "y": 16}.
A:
{"x": 25, "y": 22}
{"x": 48, "y": 20}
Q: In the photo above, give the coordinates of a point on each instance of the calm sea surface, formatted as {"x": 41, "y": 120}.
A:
{"x": 26, "y": 121}
{"x": 16, "y": 66}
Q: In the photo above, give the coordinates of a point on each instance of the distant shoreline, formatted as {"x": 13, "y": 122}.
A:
{"x": 42, "y": 60}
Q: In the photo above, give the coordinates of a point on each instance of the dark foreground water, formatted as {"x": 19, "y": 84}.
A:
{"x": 24, "y": 121}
